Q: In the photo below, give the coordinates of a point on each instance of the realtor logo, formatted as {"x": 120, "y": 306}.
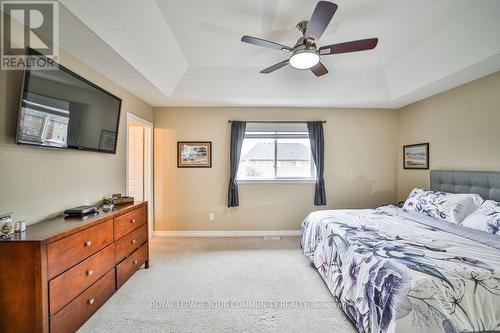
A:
{"x": 29, "y": 25}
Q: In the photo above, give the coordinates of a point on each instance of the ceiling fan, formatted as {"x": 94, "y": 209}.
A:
{"x": 305, "y": 53}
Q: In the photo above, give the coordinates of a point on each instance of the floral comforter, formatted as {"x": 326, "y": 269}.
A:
{"x": 390, "y": 273}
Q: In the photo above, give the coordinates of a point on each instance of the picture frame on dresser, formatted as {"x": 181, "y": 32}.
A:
{"x": 416, "y": 156}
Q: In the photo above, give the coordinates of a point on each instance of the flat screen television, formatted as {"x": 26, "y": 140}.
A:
{"x": 61, "y": 109}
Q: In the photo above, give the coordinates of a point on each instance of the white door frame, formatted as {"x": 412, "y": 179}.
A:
{"x": 149, "y": 181}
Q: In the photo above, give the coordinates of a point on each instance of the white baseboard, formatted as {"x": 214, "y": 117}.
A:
{"x": 226, "y": 233}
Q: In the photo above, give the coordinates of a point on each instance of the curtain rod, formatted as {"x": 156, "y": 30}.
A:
{"x": 270, "y": 121}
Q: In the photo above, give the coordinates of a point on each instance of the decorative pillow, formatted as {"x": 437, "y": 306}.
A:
{"x": 450, "y": 207}
{"x": 486, "y": 218}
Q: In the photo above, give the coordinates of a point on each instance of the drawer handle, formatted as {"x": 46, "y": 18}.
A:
{"x": 135, "y": 262}
{"x": 90, "y": 272}
{"x": 88, "y": 243}
{"x": 133, "y": 241}
{"x": 91, "y": 301}
{"x": 133, "y": 220}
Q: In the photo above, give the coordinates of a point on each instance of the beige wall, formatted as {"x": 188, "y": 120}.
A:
{"x": 36, "y": 182}
{"x": 462, "y": 126}
{"x": 360, "y": 168}
{"x": 363, "y": 157}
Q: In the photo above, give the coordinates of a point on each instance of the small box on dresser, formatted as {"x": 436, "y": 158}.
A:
{"x": 58, "y": 273}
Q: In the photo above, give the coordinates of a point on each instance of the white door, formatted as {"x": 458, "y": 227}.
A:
{"x": 140, "y": 163}
{"x": 136, "y": 163}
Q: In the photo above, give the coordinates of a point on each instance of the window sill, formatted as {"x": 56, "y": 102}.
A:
{"x": 276, "y": 181}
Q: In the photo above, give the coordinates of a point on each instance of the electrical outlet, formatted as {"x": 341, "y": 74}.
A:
{"x": 211, "y": 216}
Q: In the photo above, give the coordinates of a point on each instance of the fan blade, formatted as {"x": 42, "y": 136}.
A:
{"x": 320, "y": 19}
{"x": 264, "y": 43}
{"x": 354, "y": 46}
{"x": 274, "y": 67}
{"x": 319, "y": 69}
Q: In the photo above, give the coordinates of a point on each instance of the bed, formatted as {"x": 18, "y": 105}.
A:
{"x": 395, "y": 271}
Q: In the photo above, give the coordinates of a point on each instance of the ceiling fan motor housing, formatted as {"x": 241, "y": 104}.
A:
{"x": 302, "y": 47}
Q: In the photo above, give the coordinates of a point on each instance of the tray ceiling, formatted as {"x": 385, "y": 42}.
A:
{"x": 178, "y": 52}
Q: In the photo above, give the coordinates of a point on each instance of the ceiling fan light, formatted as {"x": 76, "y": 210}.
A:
{"x": 304, "y": 60}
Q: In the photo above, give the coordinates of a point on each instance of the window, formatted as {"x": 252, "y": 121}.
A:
{"x": 276, "y": 152}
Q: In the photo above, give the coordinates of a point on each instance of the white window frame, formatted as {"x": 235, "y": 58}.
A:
{"x": 282, "y": 180}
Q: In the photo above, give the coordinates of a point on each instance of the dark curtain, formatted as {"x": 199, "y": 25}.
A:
{"x": 316, "y": 138}
{"x": 237, "y": 135}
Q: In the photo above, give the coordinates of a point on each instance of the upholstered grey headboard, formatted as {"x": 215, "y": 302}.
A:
{"x": 486, "y": 184}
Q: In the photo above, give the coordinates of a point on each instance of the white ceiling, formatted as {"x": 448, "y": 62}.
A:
{"x": 188, "y": 52}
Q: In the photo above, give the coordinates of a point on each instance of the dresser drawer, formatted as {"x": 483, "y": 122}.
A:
{"x": 125, "y": 223}
{"x": 68, "y": 285}
{"x": 129, "y": 243}
{"x": 69, "y": 251}
{"x": 130, "y": 265}
{"x": 73, "y": 315}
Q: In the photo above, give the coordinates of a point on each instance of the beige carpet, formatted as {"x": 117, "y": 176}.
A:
{"x": 222, "y": 285}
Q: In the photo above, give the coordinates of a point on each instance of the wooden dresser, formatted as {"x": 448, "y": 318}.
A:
{"x": 54, "y": 276}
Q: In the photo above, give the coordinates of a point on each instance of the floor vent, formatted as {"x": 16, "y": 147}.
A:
{"x": 272, "y": 238}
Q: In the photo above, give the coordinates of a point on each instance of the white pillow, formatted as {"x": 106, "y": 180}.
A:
{"x": 449, "y": 207}
{"x": 486, "y": 218}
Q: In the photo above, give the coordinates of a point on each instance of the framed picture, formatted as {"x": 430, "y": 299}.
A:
{"x": 194, "y": 154}
{"x": 416, "y": 156}
{"x": 107, "y": 141}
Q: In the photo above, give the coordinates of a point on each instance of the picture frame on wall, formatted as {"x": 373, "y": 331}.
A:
{"x": 416, "y": 157}
{"x": 194, "y": 154}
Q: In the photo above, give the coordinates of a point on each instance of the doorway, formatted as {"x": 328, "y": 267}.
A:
{"x": 139, "y": 170}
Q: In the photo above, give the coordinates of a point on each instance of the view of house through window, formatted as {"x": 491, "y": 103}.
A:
{"x": 280, "y": 153}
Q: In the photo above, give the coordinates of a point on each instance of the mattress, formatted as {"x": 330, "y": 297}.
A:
{"x": 392, "y": 271}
